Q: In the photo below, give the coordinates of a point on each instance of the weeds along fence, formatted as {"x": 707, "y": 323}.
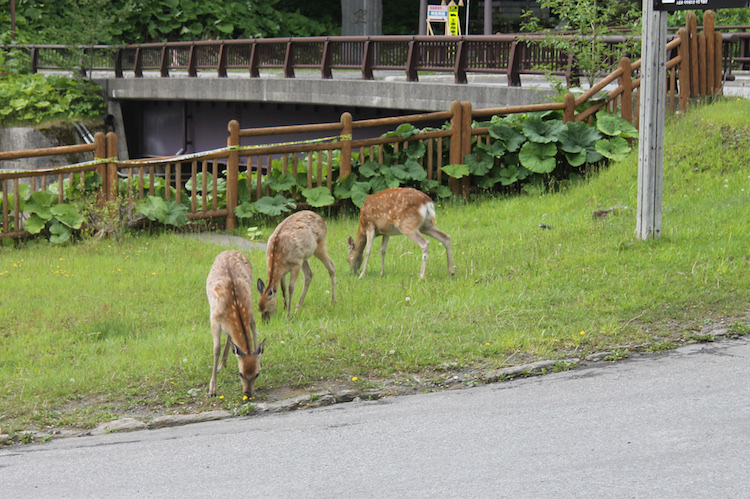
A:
{"x": 212, "y": 184}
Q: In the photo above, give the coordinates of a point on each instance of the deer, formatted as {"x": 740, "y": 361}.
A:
{"x": 297, "y": 238}
{"x": 228, "y": 287}
{"x": 400, "y": 210}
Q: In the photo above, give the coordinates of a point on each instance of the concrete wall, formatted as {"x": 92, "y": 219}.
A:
{"x": 25, "y": 138}
{"x": 433, "y": 93}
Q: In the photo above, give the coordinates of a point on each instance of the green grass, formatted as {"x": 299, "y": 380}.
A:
{"x": 102, "y": 328}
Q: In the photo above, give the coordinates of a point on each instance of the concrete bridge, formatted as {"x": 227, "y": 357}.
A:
{"x": 157, "y": 116}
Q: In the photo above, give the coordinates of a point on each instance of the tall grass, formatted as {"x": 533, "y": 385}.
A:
{"x": 102, "y": 327}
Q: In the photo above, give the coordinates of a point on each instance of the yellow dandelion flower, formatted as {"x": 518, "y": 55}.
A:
{"x": 244, "y": 397}
{"x": 221, "y": 396}
{"x": 354, "y": 378}
{"x": 583, "y": 332}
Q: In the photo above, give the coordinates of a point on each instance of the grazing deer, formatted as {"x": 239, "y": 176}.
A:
{"x": 228, "y": 289}
{"x": 294, "y": 241}
{"x": 391, "y": 212}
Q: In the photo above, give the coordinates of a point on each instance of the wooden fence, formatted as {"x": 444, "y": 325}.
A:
{"x": 694, "y": 70}
{"x": 512, "y": 55}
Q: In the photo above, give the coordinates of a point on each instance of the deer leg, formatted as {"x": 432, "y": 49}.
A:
{"x": 322, "y": 254}
{"x": 293, "y": 274}
{"x": 383, "y": 248}
{"x": 445, "y": 240}
{"x": 283, "y": 290}
{"x": 308, "y": 275}
{"x": 216, "y": 333}
{"x": 224, "y": 357}
{"x": 368, "y": 248}
{"x": 424, "y": 245}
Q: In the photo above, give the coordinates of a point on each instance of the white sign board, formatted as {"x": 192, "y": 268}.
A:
{"x": 437, "y": 13}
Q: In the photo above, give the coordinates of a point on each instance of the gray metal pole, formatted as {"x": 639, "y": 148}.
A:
{"x": 422, "y": 17}
{"x": 651, "y": 120}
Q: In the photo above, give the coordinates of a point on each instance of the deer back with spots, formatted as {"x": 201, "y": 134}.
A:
{"x": 296, "y": 239}
{"x": 228, "y": 288}
{"x": 390, "y": 212}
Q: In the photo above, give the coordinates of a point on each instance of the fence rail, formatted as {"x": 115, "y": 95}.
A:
{"x": 512, "y": 55}
{"x": 694, "y": 70}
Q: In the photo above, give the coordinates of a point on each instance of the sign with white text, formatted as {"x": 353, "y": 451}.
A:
{"x": 670, "y": 5}
{"x": 437, "y": 13}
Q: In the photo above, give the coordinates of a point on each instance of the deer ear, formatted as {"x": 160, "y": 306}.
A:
{"x": 261, "y": 286}
{"x": 351, "y": 243}
{"x": 236, "y": 350}
{"x": 259, "y": 350}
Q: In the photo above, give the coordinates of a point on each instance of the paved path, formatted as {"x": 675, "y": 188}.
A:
{"x": 667, "y": 425}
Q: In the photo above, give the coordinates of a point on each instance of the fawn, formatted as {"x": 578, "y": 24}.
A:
{"x": 400, "y": 210}
{"x": 297, "y": 238}
{"x": 228, "y": 288}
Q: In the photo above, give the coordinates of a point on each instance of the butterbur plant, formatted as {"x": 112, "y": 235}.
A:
{"x": 524, "y": 149}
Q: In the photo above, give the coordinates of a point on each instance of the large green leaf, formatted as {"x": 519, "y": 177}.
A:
{"x": 509, "y": 137}
{"x": 415, "y": 150}
{"x": 59, "y": 233}
{"x": 40, "y": 203}
{"x": 360, "y": 191}
{"x": 274, "y": 206}
{"x": 456, "y": 170}
{"x": 245, "y": 210}
{"x": 281, "y": 181}
{"x": 177, "y": 214}
{"x": 615, "y": 148}
{"x": 539, "y": 158}
{"x": 479, "y": 162}
{"x": 68, "y": 215}
{"x": 344, "y": 188}
{"x": 542, "y": 132}
{"x": 410, "y": 170}
{"x": 154, "y": 208}
{"x": 576, "y": 137}
{"x": 318, "y": 196}
{"x": 370, "y": 169}
{"x": 615, "y": 126}
{"x": 34, "y": 224}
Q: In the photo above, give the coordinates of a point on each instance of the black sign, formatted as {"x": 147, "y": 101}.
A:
{"x": 670, "y": 5}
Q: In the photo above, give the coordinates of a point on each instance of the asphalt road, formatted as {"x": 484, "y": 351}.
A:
{"x": 664, "y": 425}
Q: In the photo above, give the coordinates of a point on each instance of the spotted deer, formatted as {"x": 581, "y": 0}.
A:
{"x": 228, "y": 288}
{"x": 294, "y": 241}
{"x": 391, "y": 212}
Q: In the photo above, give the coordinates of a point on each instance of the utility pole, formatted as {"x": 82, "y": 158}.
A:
{"x": 651, "y": 118}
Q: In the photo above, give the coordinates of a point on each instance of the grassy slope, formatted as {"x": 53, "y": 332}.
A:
{"x": 90, "y": 330}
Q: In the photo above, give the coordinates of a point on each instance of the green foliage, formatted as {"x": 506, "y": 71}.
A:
{"x": 88, "y": 22}
{"x": 535, "y": 148}
{"x": 589, "y": 21}
{"x": 31, "y": 99}
{"x": 165, "y": 211}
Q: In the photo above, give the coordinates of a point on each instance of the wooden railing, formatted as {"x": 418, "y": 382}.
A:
{"x": 694, "y": 70}
{"x": 510, "y": 55}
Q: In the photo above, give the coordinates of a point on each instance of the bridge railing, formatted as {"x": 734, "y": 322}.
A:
{"x": 511, "y": 55}
{"x": 694, "y": 70}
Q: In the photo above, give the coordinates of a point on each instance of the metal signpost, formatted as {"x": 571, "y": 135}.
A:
{"x": 653, "y": 106}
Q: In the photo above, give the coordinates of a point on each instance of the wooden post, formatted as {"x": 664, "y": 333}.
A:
{"x": 112, "y": 167}
{"x": 626, "y": 82}
{"x": 651, "y": 119}
{"x": 692, "y": 27}
{"x": 233, "y": 167}
{"x": 569, "y": 113}
{"x": 465, "y": 143}
{"x": 708, "y": 31}
{"x": 718, "y": 69}
{"x": 702, "y": 65}
{"x": 346, "y": 146}
{"x": 684, "y": 51}
{"x": 100, "y": 152}
{"x": 455, "y": 144}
